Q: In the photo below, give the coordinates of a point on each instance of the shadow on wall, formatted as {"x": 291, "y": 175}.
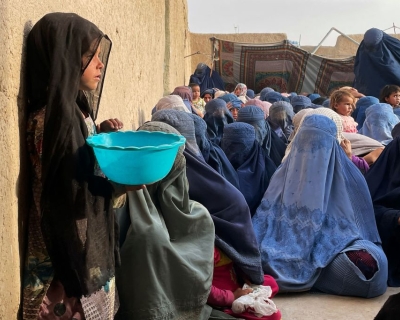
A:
{"x": 22, "y": 187}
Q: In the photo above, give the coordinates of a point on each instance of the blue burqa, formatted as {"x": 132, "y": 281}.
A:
{"x": 361, "y": 106}
{"x": 316, "y": 205}
{"x": 266, "y": 137}
{"x": 217, "y": 116}
{"x": 212, "y": 153}
{"x": 252, "y": 163}
{"x": 379, "y": 122}
{"x": 377, "y": 62}
{"x": 206, "y": 78}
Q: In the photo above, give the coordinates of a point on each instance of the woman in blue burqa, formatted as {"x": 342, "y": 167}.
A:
{"x": 377, "y": 62}
{"x": 212, "y": 153}
{"x": 251, "y": 162}
{"x": 315, "y": 225}
{"x": 217, "y": 116}
{"x": 234, "y": 234}
{"x": 266, "y": 137}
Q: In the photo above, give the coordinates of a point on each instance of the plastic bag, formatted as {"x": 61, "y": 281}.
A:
{"x": 256, "y": 302}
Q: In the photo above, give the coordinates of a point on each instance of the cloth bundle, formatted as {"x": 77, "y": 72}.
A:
{"x": 256, "y": 302}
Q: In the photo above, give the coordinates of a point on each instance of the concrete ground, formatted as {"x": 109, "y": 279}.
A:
{"x": 318, "y": 306}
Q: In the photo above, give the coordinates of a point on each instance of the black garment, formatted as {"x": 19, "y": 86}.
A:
{"x": 206, "y": 78}
{"x": 77, "y": 218}
{"x": 213, "y": 154}
{"x": 391, "y": 309}
{"x": 383, "y": 180}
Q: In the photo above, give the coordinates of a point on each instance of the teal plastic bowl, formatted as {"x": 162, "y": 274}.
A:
{"x": 136, "y": 157}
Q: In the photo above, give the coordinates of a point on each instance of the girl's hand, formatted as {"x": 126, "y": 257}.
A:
{"x": 346, "y": 145}
{"x": 241, "y": 292}
{"x": 109, "y": 125}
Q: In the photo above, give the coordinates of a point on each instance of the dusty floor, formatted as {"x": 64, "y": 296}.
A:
{"x": 317, "y": 306}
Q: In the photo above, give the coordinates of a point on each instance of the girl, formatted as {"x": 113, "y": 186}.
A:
{"x": 390, "y": 94}
{"x": 207, "y": 95}
{"x": 72, "y": 246}
{"x": 225, "y": 288}
{"x": 342, "y": 101}
{"x": 197, "y": 101}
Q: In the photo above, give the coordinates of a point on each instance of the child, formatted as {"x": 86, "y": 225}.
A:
{"x": 390, "y": 94}
{"x": 342, "y": 101}
{"x": 234, "y": 107}
{"x": 225, "y": 287}
{"x": 197, "y": 101}
{"x": 207, "y": 95}
{"x": 72, "y": 244}
{"x": 241, "y": 92}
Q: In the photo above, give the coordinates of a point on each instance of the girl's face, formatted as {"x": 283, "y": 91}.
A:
{"x": 207, "y": 97}
{"x": 196, "y": 93}
{"x": 393, "y": 99}
{"x": 92, "y": 74}
{"x": 344, "y": 106}
{"x": 235, "y": 112}
{"x": 237, "y": 91}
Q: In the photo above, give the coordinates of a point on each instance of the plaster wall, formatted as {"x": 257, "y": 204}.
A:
{"x": 150, "y": 39}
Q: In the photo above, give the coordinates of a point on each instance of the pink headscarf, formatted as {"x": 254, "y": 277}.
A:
{"x": 184, "y": 92}
{"x": 263, "y": 105}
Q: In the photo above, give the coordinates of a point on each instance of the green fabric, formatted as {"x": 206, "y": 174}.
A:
{"x": 167, "y": 257}
{"x": 217, "y": 315}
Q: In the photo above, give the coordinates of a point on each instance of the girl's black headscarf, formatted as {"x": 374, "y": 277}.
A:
{"x": 76, "y": 208}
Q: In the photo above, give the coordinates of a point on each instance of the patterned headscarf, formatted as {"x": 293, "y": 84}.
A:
{"x": 243, "y": 89}
{"x": 171, "y": 102}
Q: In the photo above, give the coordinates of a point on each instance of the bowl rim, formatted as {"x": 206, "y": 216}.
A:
{"x": 181, "y": 141}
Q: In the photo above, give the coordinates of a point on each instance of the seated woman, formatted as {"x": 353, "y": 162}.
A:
{"x": 361, "y": 105}
{"x": 315, "y": 225}
{"x": 217, "y": 115}
{"x": 266, "y": 137}
{"x": 251, "y": 162}
{"x": 234, "y": 234}
{"x": 280, "y": 119}
{"x": 384, "y": 186}
{"x": 167, "y": 257}
{"x": 213, "y": 155}
{"x": 379, "y": 123}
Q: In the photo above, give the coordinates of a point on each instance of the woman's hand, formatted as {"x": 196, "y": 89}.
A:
{"x": 241, "y": 292}
{"x": 110, "y": 125}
